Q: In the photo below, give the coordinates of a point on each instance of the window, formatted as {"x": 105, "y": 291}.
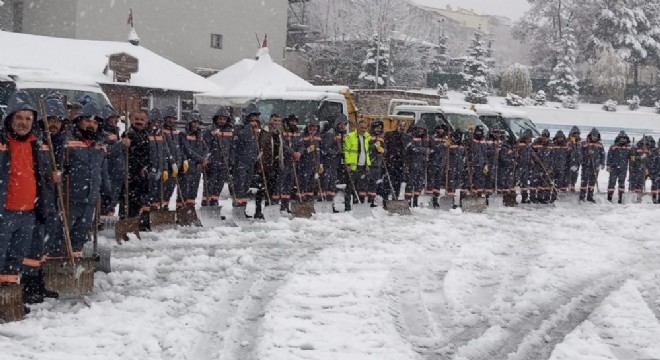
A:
{"x": 216, "y": 41}
{"x": 145, "y": 103}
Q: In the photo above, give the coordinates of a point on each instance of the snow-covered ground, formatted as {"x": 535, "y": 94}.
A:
{"x": 563, "y": 283}
{"x": 570, "y": 282}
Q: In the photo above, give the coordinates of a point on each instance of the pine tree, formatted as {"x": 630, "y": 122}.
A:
{"x": 632, "y": 29}
{"x": 382, "y": 56}
{"x": 441, "y": 59}
{"x": 563, "y": 81}
{"x": 476, "y": 72}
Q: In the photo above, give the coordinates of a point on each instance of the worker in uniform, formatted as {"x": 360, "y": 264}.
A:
{"x": 332, "y": 157}
{"x": 270, "y": 163}
{"x": 618, "y": 159}
{"x": 593, "y": 158}
{"x": 160, "y": 160}
{"x": 218, "y": 139}
{"x": 292, "y": 148}
{"x": 541, "y": 173}
{"x": 356, "y": 157}
{"x": 137, "y": 145}
{"x": 244, "y": 154}
{"x": 417, "y": 152}
{"x": 395, "y": 147}
{"x": 575, "y": 157}
{"x": 457, "y": 166}
{"x": 116, "y": 159}
{"x": 309, "y": 167}
{"x": 376, "y": 154}
{"x": 194, "y": 152}
{"x": 438, "y": 166}
{"x": 173, "y": 139}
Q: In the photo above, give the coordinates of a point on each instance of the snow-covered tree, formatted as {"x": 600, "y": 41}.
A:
{"x": 570, "y": 102}
{"x": 540, "y": 98}
{"x": 563, "y": 81}
{"x": 376, "y": 67}
{"x": 476, "y": 71}
{"x": 608, "y": 75}
{"x": 516, "y": 80}
{"x": 440, "y": 60}
{"x": 632, "y": 29}
{"x": 443, "y": 90}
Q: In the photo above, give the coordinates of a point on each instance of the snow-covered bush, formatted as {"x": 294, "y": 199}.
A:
{"x": 443, "y": 90}
{"x": 633, "y": 104}
{"x": 539, "y": 98}
{"x": 608, "y": 75}
{"x": 476, "y": 96}
{"x": 514, "y": 100}
{"x": 570, "y": 102}
{"x": 516, "y": 80}
{"x": 610, "y": 105}
{"x": 377, "y": 52}
{"x": 657, "y": 107}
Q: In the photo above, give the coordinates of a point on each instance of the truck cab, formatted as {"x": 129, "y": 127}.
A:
{"x": 513, "y": 122}
{"x": 431, "y": 116}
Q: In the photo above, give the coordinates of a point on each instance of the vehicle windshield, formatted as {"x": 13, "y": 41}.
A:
{"x": 431, "y": 120}
{"x": 462, "y": 121}
{"x": 323, "y": 110}
{"x": 71, "y": 95}
{"x": 6, "y": 89}
{"x": 519, "y": 125}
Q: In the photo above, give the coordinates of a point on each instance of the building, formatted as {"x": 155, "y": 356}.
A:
{"x": 201, "y": 35}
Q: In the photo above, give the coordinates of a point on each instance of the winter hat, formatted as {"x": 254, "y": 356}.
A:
{"x": 108, "y": 111}
{"x": 55, "y": 108}
{"x": 20, "y": 100}
{"x": 155, "y": 115}
{"x": 221, "y": 112}
{"x": 248, "y": 111}
{"x": 169, "y": 111}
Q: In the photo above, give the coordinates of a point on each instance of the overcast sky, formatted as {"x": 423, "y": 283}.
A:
{"x": 512, "y": 9}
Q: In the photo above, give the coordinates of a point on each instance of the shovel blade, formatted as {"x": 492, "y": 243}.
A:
{"x": 446, "y": 202}
{"x": 302, "y": 209}
{"x": 323, "y": 207}
{"x": 474, "y": 204}
{"x": 125, "y": 227}
{"x": 271, "y": 212}
{"x": 162, "y": 219}
{"x": 102, "y": 256}
{"x": 496, "y": 201}
{"x": 238, "y": 215}
{"x": 187, "y": 216}
{"x": 401, "y": 207}
{"x": 211, "y": 215}
{"x": 361, "y": 211}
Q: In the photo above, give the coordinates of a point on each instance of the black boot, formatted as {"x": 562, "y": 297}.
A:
{"x": 609, "y": 196}
{"x": 620, "y": 198}
{"x": 590, "y": 196}
{"x": 435, "y": 202}
{"x": 347, "y": 203}
{"x": 372, "y": 202}
{"x": 258, "y": 214}
{"x": 145, "y": 221}
{"x": 31, "y": 293}
{"x": 583, "y": 193}
{"x": 415, "y": 201}
{"x": 525, "y": 198}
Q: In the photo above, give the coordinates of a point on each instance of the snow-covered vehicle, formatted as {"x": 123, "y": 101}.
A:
{"x": 38, "y": 83}
{"x": 431, "y": 116}
{"x": 514, "y": 122}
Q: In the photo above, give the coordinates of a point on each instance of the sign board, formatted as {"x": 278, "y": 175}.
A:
{"x": 123, "y": 65}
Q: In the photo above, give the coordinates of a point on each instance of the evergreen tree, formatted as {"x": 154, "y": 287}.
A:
{"x": 441, "y": 59}
{"x": 563, "y": 81}
{"x": 476, "y": 72}
{"x": 382, "y": 56}
{"x": 632, "y": 29}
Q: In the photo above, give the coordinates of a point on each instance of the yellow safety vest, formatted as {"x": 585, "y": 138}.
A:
{"x": 352, "y": 149}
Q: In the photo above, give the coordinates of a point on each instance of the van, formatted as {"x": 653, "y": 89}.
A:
{"x": 431, "y": 116}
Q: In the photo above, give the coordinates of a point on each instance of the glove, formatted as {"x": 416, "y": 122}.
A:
{"x": 486, "y": 169}
{"x": 646, "y": 172}
{"x": 165, "y": 176}
{"x": 185, "y": 166}
{"x": 574, "y": 168}
{"x": 602, "y": 167}
{"x": 379, "y": 148}
{"x": 320, "y": 169}
{"x": 311, "y": 148}
{"x": 609, "y": 169}
{"x": 175, "y": 170}
{"x": 633, "y": 158}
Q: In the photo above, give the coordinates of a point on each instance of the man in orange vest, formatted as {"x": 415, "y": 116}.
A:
{"x": 25, "y": 197}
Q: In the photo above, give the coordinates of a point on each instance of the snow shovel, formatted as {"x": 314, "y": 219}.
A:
{"x": 300, "y": 208}
{"x": 270, "y": 212}
{"x": 126, "y": 226}
{"x": 186, "y": 215}
{"x": 100, "y": 254}
{"x": 322, "y": 206}
{"x": 162, "y": 218}
{"x": 209, "y": 214}
{"x": 362, "y": 209}
{"x": 395, "y": 206}
{"x": 496, "y": 200}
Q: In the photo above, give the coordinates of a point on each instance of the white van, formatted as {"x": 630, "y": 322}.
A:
{"x": 431, "y": 116}
{"x": 513, "y": 122}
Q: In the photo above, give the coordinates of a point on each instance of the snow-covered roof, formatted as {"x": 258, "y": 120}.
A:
{"x": 50, "y": 59}
{"x": 457, "y": 110}
{"x": 231, "y": 75}
{"x": 253, "y": 80}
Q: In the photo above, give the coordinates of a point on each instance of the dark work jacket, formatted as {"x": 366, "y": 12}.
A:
{"x": 85, "y": 168}
{"x": 138, "y": 154}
